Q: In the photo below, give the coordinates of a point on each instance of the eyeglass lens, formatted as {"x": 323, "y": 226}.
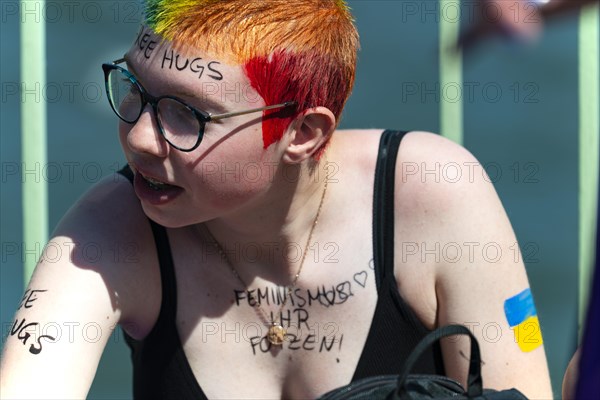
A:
{"x": 176, "y": 120}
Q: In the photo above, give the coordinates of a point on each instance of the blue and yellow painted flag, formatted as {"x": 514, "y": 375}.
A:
{"x": 522, "y": 318}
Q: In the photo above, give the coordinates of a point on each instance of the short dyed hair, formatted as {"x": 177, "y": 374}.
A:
{"x": 300, "y": 50}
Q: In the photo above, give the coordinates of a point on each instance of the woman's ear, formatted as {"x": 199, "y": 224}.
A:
{"x": 311, "y": 130}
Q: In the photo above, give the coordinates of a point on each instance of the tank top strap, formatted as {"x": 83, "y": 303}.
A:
{"x": 168, "y": 307}
{"x": 383, "y": 205}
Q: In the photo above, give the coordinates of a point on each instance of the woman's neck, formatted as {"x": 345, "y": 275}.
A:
{"x": 268, "y": 237}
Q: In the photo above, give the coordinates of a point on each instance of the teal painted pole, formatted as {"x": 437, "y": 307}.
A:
{"x": 589, "y": 132}
{"x": 451, "y": 78}
{"x": 33, "y": 133}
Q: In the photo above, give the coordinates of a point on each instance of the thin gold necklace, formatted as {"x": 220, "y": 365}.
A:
{"x": 277, "y": 332}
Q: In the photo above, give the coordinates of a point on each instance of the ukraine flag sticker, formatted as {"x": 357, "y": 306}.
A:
{"x": 522, "y": 319}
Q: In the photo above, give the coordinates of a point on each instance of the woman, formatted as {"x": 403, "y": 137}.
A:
{"x": 257, "y": 262}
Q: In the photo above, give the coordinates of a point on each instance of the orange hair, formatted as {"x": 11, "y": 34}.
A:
{"x": 291, "y": 50}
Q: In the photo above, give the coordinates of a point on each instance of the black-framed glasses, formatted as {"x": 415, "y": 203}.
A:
{"x": 180, "y": 124}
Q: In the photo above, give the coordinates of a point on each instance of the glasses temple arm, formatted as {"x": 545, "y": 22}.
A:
{"x": 236, "y": 113}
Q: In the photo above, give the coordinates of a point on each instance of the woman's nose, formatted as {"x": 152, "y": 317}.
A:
{"x": 144, "y": 136}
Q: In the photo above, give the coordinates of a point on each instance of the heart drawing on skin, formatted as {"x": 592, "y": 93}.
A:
{"x": 361, "y": 278}
{"x": 372, "y": 264}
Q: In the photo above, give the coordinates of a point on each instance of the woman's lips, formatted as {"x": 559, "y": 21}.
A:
{"x": 154, "y": 191}
{"x": 156, "y": 184}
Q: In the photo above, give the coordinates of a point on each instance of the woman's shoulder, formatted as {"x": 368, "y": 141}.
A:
{"x": 441, "y": 188}
{"x": 432, "y": 170}
{"x": 413, "y": 141}
{"x": 420, "y": 154}
{"x": 109, "y": 211}
{"x": 109, "y": 234}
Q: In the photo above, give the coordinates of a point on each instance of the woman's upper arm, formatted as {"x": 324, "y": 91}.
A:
{"x": 480, "y": 280}
{"x": 75, "y": 299}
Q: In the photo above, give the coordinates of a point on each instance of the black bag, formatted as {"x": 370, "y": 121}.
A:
{"x": 408, "y": 387}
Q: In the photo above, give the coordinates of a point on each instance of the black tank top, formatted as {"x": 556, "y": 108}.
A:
{"x": 161, "y": 369}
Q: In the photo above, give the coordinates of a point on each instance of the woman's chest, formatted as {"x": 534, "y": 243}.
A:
{"x": 325, "y": 320}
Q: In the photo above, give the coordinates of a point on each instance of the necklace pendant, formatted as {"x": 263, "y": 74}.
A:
{"x": 276, "y": 334}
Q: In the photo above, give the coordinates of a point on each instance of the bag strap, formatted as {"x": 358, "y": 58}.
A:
{"x": 383, "y": 205}
{"x": 474, "y": 382}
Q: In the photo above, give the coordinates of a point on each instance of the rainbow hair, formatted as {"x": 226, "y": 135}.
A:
{"x": 300, "y": 50}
